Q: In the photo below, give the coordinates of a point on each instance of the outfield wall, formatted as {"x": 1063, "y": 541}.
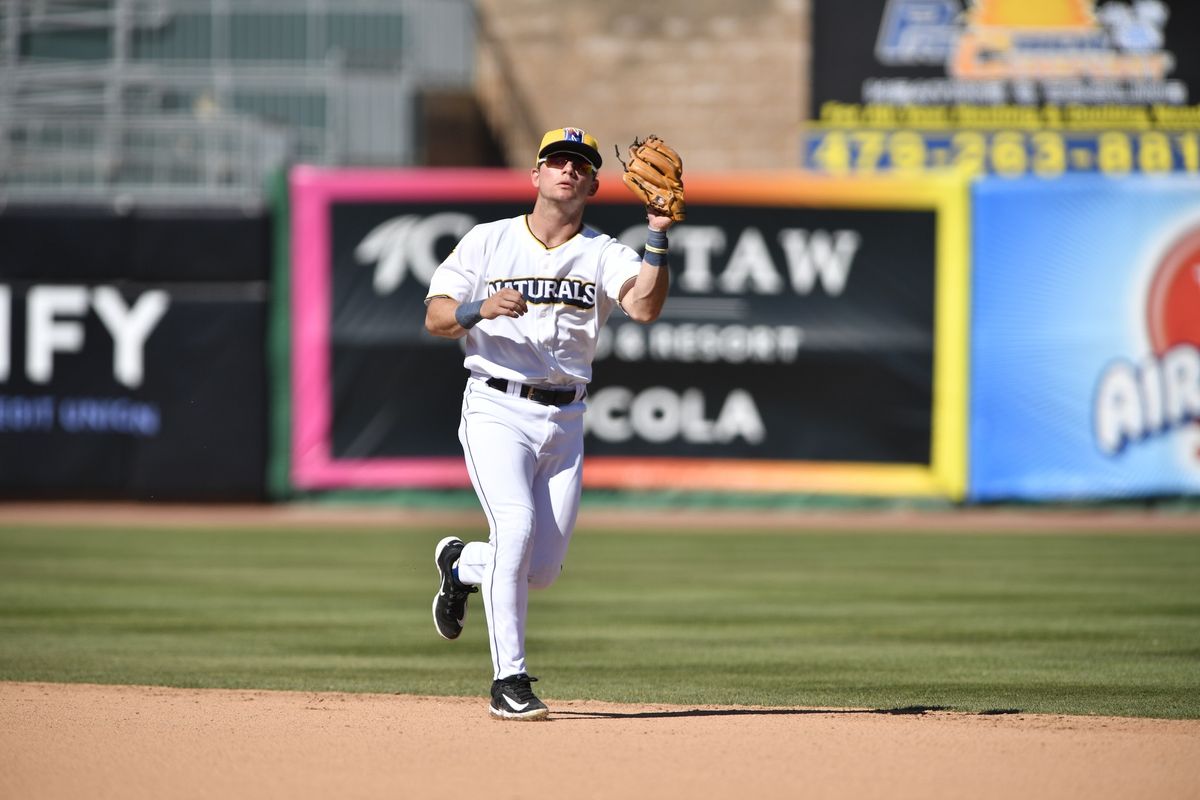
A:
{"x": 1008, "y": 339}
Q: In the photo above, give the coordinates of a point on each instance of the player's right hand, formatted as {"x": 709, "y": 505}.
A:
{"x": 507, "y": 302}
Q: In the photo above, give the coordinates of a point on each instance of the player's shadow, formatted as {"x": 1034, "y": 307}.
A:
{"x": 751, "y": 712}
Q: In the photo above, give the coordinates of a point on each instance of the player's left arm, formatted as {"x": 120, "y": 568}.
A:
{"x": 643, "y": 296}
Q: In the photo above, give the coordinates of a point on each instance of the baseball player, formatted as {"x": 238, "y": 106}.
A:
{"x": 530, "y": 295}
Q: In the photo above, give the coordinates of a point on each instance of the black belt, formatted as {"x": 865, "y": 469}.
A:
{"x": 547, "y": 397}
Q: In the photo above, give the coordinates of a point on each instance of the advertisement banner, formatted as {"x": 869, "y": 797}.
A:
{"x": 1003, "y": 59}
{"x": 1005, "y": 87}
{"x": 1085, "y": 357}
{"x": 116, "y": 388}
{"x": 796, "y": 351}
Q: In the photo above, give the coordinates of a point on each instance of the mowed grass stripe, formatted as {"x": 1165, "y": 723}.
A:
{"x": 1095, "y": 624}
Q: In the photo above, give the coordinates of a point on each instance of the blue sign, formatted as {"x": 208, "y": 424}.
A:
{"x": 1085, "y": 352}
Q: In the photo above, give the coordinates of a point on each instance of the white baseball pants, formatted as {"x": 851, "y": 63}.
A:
{"x": 526, "y": 462}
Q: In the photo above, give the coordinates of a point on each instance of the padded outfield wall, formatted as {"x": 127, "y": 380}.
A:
{"x": 849, "y": 336}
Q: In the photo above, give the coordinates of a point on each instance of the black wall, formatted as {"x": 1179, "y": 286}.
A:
{"x": 132, "y": 354}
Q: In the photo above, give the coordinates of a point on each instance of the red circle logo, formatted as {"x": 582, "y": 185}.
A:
{"x": 1173, "y": 303}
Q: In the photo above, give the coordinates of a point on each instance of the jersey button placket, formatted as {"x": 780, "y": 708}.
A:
{"x": 546, "y": 321}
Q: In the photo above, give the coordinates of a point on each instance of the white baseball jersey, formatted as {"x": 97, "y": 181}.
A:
{"x": 525, "y": 459}
{"x": 570, "y": 289}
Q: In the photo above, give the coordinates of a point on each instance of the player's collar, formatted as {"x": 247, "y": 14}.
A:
{"x": 543, "y": 245}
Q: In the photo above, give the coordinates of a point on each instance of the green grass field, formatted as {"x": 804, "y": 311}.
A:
{"x": 1036, "y": 622}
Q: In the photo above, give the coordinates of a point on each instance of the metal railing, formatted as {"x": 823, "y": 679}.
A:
{"x": 165, "y": 160}
{"x": 168, "y": 85}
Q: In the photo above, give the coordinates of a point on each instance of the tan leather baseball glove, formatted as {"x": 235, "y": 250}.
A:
{"x": 655, "y": 175}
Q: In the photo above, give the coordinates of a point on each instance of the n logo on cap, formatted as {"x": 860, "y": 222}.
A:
{"x": 572, "y": 135}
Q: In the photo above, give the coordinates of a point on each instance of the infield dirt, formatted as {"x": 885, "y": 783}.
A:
{"x": 76, "y": 740}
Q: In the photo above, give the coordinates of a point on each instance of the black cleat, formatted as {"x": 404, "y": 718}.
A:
{"x": 450, "y": 603}
{"x": 513, "y": 698}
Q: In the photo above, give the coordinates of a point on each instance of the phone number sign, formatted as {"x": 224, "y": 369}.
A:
{"x": 1006, "y": 153}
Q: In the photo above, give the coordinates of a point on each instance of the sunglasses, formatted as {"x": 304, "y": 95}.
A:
{"x": 559, "y": 161}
